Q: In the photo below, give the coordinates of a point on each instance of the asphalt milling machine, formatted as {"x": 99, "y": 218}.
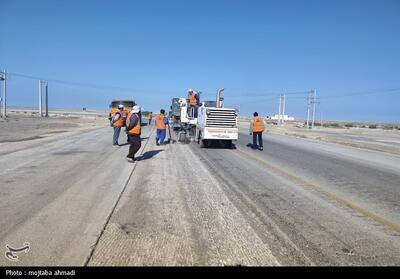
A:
{"x": 206, "y": 124}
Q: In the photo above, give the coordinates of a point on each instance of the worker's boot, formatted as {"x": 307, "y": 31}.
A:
{"x": 130, "y": 160}
{"x": 261, "y": 148}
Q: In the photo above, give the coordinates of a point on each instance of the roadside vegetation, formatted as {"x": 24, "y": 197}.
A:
{"x": 348, "y": 125}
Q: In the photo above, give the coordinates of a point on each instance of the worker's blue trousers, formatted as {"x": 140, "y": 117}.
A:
{"x": 161, "y": 133}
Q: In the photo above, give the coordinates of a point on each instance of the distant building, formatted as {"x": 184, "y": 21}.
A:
{"x": 285, "y": 117}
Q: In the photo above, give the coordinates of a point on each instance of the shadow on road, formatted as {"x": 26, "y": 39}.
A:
{"x": 250, "y": 145}
{"x": 127, "y": 143}
{"x": 149, "y": 155}
{"x": 219, "y": 145}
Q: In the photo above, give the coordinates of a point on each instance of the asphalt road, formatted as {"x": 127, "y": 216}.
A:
{"x": 57, "y": 195}
{"x": 333, "y": 205}
{"x": 299, "y": 202}
{"x": 174, "y": 212}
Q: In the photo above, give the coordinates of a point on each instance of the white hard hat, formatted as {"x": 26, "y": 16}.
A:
{"x": 135, "y": 109}
{"x": 120, "y": 106}
{"x": 190, "y": 90}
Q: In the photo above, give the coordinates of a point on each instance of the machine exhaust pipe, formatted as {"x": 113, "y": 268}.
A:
{"x": 219, "y": 97}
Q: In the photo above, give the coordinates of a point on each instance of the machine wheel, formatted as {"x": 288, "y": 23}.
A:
{"x": 204, "y": 143}
{"x": 181, "y": 136}
{"x": 228, "y": 144}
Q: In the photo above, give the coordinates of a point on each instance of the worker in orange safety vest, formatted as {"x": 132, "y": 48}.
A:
{"x": 161, "y": 125}
{"x": 257, "y": 128}
{"x": 133, "y": 129}
{"x": 117, "y": 122}
{"x": 193, "y": 101}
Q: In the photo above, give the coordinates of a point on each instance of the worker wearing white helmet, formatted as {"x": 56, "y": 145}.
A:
{"x": 133, "y": 129}
{"x": 117, "y": 122}
{"x": 136, "y": 109}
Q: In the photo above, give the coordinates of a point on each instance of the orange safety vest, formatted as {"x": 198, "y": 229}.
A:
{"x": 192, "y": 100}
{"x": 136, "y": 130}
{"x": 258, "y": 125}
{"x": 160, "y": 122}
{"x": 120, "y": 121}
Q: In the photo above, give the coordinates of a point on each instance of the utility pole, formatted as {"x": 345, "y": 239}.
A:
{"x": 308, "y": 110}
{"x": 47, "y": 100}
{"x": 1, "y": 98}
{"x": 283, "y": 108}
{"x": 282, "y": 104}
{"x": 40, "y": 99}
{"x": 311, "y": 101}
{"x": 3, "y": 77}
{"x": 313, "y": 109}
{"x": 45, "y": 84}
{"x": 279, "y": 110}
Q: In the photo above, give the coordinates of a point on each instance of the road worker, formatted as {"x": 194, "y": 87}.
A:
{"x": 150, "y": 117}
{"x": 133, "y": 129}
{"x": 193, "y": 101}
{"x": 117, "y": 122}
{"x": 161, "y": 125}
{"x": 257, "y": 127}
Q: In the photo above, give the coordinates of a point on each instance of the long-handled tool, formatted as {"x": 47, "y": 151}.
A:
{"x": 169, "y": 131}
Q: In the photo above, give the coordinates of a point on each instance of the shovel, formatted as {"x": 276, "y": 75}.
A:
{"x": 169, "y": 140}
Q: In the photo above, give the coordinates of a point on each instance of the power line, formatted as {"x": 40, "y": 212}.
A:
{"x": 260, "y": 97}
{"x": 271, "y": 94}
{"x": 359, "y": 93}
{"x": 88, "y": 85}
{"x": 369, "y": 92}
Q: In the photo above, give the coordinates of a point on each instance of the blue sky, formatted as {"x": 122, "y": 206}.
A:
{"x": 254, "y": 49}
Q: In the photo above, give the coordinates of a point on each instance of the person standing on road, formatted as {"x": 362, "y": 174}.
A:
{"x": 133, "y": 129}
{"x": 150, "y": 117}
{"x": 117, "y": 122}
{"x": 161, "y": 125}
{"x": 257, "y": 128}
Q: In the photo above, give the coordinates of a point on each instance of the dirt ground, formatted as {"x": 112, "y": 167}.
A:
{"x": 21, "y": 130}
{"x": 372, "y": 139}
{"x": 21, "y": 127}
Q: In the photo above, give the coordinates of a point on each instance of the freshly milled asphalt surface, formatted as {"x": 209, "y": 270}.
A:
{"x": 299, "y": 202}
{"x": 173, "y": 212}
